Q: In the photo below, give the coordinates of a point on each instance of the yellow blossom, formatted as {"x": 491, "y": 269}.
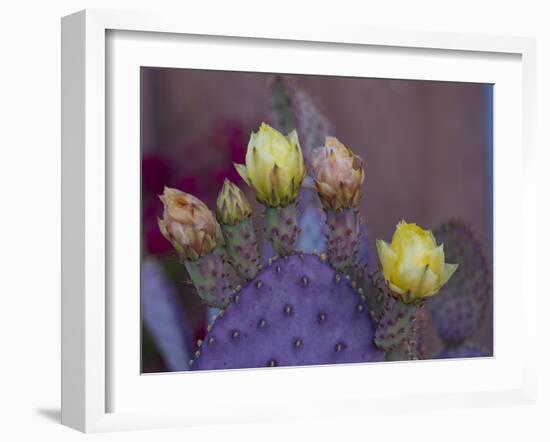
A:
{"x": 413, "y": 264}
{"x": 274, "y": 166}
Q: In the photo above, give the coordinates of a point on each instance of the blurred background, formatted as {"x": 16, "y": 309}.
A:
{"x": 427, "y": 148}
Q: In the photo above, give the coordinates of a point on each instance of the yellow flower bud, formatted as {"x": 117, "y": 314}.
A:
{"x": 232, "y": 207}
{"x": 274, "y": 166}
{"x": 338, "y": 175}
{"x": 188, "y": 224}
{"x": 413, "y": 264}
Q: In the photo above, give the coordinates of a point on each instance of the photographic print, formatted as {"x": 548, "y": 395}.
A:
{"x": 302, "y": 220}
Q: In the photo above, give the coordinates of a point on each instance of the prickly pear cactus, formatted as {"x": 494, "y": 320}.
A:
{"x": 317, "y": 308}
{"x": 298, "y": 311}
{"x": 458, "y": 310}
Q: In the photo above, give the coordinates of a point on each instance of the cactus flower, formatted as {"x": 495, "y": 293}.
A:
{"x": 274, "y": 166}
{"x": 338, "y": 175}
{"x": 232, "y": 207}
{"x": 188, "y": 224}
{"x": 413, "y": 264}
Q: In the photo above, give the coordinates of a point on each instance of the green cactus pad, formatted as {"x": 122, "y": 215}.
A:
{"x": 397, "y": 327}
{"x": 343, "y": 232}
{"x": 281, "y": 227}
{"x": 210, "y": 277}
{"x": 242, "y": 248}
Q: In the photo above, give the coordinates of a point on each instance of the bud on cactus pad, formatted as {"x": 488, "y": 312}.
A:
{"x": 233, "y": 211}
{"x": 189, "y": 224}
{"x": 274, "y": 167}
{"x": 232, "y": 207}
{"x": 338, "y": 175}
{"x": 297, "y": 311}
{"x": 194, "y": 232}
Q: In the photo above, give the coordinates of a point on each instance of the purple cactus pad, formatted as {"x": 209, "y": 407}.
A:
{"x": 297, "y": 311}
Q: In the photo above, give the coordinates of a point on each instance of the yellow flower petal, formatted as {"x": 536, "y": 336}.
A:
{"x": 387, "y": 257}
{"x": 437, "y": 260}
{"x": 262, "y": 165}
{"x": 418, "y": 267}
{"x": 241, "y": 170}
{"x": 408, "y": 277}
{"x": 429, "y": 283}
{"x": 396, "y": 289}
{"x": 292, "y": 138}
{"x": 448, "y": 271}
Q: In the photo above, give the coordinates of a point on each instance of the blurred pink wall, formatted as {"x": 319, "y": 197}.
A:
{"x": 424, "y": 143}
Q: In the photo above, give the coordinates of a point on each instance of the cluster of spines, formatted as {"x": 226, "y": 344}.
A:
{"x": 396, "y": 322}
{"x": 242, "y": 247}
{"x": 281, "y": 227}
{"x": 342, "y": 237}
{"x": 215, "y": 275}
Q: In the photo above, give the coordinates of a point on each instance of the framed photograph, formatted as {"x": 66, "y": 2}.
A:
{"x": 279, "y": 222}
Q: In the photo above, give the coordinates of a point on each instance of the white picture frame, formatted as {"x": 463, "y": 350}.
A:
{"x": 88, "y": 324}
